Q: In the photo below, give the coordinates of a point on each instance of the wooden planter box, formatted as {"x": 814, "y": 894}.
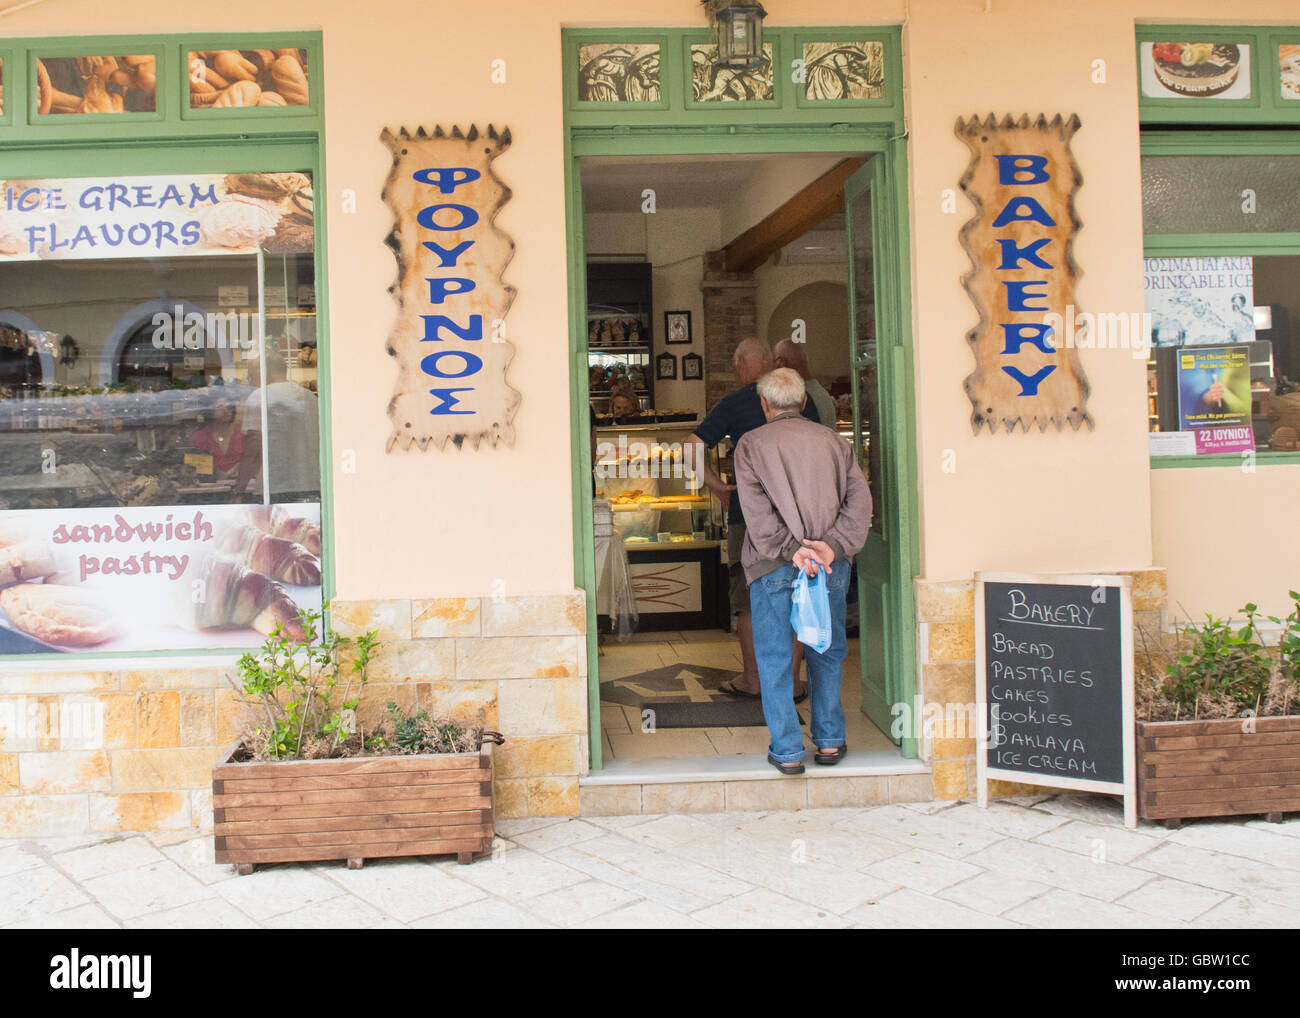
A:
{"x": 1213, "y": 768}
{"x": 355, "y": 809}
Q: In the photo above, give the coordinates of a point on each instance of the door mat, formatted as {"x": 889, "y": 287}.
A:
{"x": 682, "y": 681}
{"x": 728, "y": 713}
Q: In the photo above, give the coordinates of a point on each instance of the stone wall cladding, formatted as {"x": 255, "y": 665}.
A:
{"x": 945, "y": 612}
{"x": 102, "y": 751}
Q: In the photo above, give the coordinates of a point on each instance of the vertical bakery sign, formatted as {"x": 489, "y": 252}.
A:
{"x": 1022, "y": 178}
{"x": 449, "y": 339}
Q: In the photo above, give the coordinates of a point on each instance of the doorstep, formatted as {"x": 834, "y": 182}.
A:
{"x": 745, "y": 782}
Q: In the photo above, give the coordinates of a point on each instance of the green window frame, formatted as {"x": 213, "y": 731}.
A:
{"x": 1265, "y": 104}
{"x": 176, "y": 141}
{"x": 1220, "y": 143}
{"x": 789, "y": 106}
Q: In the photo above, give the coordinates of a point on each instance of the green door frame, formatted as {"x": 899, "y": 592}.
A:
{"x": 873, "y": 127}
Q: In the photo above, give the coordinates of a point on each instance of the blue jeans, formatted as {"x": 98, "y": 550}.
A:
{"x": 769, "y": 600}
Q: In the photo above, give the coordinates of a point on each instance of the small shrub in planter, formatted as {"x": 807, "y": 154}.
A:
{"x": 305, "y": 782}
{"x": 1218, "y": 730}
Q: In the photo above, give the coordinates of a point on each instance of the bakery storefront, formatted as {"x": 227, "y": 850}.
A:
{"x": 231, "y": 262}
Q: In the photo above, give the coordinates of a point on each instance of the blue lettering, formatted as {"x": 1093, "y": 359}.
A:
{"x": 430, "y": 366}
{"x": 1029, "y": 383}
{"x": 198, "y": 197}
{"x": 1013, "y": 254}
{"x": 432, "y": 323}
{"x": 1016, "y": 338}
{"x": 1033, "y": 212}
{"x": 468, "y": 217}
{"x": 171, "y": 193}
{"x": 439, "y": 288}
{"x": 1012, "y": 169}
{"x": 447, "y": 256}
{"x": 1019, "y": 295}
{"x": 448, "y": 177}
{"x": 448, "y": 401}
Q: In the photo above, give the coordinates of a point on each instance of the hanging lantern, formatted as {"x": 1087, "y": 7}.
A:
{"x": 740, "y": 35}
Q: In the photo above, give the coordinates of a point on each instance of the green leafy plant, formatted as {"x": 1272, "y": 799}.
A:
{"x": 1288, "y": 644}
{"x": 305, "y": 690}
{"x": 1223, "y": 661}
{"x": 417, "y": 732}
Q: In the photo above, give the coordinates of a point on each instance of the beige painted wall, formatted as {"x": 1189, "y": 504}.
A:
{"x": 456, "y": 522}
{"x": 1227, "y": 538}
{"x": 818, "y": 294}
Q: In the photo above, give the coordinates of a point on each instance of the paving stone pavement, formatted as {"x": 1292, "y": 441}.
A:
{"x": 1039, "y": 861}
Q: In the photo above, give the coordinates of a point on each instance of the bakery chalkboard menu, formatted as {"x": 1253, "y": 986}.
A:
{"x": 1054, "y": 680}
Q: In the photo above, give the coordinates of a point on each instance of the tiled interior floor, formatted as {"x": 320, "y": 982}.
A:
{"x": 621, "y": 733}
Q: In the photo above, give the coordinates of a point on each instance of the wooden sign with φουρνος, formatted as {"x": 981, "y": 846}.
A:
{"x": 449, "y": 339}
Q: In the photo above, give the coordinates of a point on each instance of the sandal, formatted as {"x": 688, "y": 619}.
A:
{"x": 731, "y": 688}
{"x": 790, "y": 770}
{"x": 830, "y": 759}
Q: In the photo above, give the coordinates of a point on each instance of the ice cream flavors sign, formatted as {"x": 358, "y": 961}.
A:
{"x": 154, "y": 217}
{"x": 155, "y": 578}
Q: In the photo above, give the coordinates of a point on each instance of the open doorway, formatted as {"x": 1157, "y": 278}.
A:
{"x": 685, "y": 256}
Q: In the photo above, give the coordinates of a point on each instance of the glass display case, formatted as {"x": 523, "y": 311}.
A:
{"x": 641, "y": 471}
{"x": 619, "y": 331}
{"x": 672, "y": 529}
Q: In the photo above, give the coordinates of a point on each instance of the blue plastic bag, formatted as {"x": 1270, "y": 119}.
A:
{"x": 810, "y": 610}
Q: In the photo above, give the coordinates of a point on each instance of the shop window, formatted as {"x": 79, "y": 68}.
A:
{"x": 1223, "y": 319}
{"x": 97, "y": 84}
{"x": 227, "y": 78}
{"x": 158, "y": 410}
{"x": 1199, "y": 194}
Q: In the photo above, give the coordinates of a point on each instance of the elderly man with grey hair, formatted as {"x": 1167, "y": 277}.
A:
{"x": 736, "y": 415}
{"x": 807, "y": 507}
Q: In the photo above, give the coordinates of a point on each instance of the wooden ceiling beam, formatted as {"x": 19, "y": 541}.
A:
{"x": 823, "y": 197}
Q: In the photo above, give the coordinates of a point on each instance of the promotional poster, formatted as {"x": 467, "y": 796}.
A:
{"x": 155, "y": 577}
{"x": 1200, "y": 301}
{"x": 1214, "y": 398}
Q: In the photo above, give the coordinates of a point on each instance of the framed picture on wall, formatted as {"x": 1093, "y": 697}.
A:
{"x": 666, "y": 366}
{"x": 677, "y": 326}
{"x": 692, "y": 366}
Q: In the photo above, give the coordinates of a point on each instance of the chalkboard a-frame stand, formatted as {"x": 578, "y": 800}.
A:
{"x": 1055, "y": 651}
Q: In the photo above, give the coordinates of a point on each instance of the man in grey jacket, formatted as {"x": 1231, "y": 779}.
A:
{"x": 807, "y": 506}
